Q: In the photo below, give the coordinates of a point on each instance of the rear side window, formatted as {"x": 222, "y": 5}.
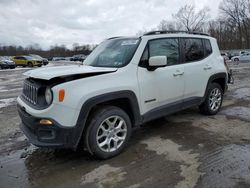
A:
{"x": 208, "y": 47}
{"x": 165, "y": 47}
{"x": 193, "y": 49}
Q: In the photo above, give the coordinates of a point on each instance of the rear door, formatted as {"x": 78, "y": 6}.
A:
{"x": 197, "y": 61}
{"x": 23, "y": 60}
{"x": 17, "y": 60}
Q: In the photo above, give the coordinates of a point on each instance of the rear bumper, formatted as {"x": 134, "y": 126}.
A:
{"x": 51, "y": 136}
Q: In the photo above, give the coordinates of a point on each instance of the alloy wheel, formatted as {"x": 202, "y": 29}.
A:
{"x": 111, "y": 133}
{"x": 215, "y": 99}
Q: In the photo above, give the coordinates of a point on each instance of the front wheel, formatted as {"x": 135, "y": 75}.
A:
{"x": 213, "y": 100}
{"x": 108, "y": 132}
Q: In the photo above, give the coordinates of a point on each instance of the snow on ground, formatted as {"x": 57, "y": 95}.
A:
{"x": 238, "y": 111}
{"x": 7, "y": 102}
{"x": 242, "y": 93}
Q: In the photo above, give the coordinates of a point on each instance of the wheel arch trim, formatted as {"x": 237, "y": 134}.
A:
{"x": 90, "y": 103}
{"x": 213, "y": 77}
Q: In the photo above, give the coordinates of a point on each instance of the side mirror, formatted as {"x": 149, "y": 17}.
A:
{"x": 157, "y": 61}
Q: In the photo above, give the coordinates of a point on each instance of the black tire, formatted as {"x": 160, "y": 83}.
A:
{"x": 29, "y": 64}
{"x": 205, "y": 107}
{"x": 236, "y": 59}
{"x": 92, "y": 131}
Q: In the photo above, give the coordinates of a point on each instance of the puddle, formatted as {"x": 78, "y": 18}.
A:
{"x": 172, "y": 151}
{"x": 103, "y": 176}
{"x": 238, "y": 111}
{"x": 13, "y": 171}
{"x": 227, "y": 166}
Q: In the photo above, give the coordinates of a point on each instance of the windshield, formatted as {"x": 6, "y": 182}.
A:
{"x": 113, "y": 53}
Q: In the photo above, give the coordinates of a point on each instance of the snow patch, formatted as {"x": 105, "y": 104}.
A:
{"x": 7, "y": 102}
{"x": 242, "y": 93}
{"x": 239, "y": 111}
{"x": 7, "y": 90}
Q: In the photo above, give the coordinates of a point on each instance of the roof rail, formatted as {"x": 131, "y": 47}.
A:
{"x": 175, "y": 31}
{"x": 114, "y": 37}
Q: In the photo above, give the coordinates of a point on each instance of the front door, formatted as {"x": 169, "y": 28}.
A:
{"x": 165, "y": 85}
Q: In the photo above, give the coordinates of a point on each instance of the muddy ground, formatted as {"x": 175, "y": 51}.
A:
{"x": 186, "y": 149}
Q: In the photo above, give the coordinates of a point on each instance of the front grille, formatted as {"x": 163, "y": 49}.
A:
{"x": 30, "y": 92}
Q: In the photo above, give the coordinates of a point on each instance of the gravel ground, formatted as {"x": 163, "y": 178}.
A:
{"x": 186, "y": 149}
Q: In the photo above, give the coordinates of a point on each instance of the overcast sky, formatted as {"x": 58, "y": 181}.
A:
{"x": 50, "y": 22}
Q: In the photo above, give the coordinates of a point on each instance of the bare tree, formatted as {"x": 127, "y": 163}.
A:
{"x": 237, "y": 14}
{"x": 168, "y": 26}
{"x": 190, "y": 19}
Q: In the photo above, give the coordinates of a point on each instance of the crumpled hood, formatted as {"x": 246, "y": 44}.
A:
{"x": 61, "y": 71}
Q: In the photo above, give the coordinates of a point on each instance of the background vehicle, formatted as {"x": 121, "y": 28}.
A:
{"x": 123, "y": 83}
{"x": 58, "y": 59}
{"x": 6, "y": 63}
{"x": 225, "y": 56}
{"x": 27, "y": 61}
{"x": 242, "y": 57}
{"x": 243, "y": 52}
{"x": 79, "y": 57}
{"x": 44, "y": 60}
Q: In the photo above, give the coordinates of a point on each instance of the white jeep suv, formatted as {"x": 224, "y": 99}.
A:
{"x": 123, "y": 83}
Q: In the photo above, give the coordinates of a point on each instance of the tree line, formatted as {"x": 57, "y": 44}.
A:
{"x": 231, "y": 28}
{"x": 53, "y": 51}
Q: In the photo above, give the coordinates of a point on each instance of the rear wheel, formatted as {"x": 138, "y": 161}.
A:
{"x": 108, "y": 132}
{"x": 29, "y": 64}
{"x": 213, "y": 100}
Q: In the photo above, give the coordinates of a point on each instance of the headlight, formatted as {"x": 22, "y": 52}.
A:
{"x": 48, "y": 96}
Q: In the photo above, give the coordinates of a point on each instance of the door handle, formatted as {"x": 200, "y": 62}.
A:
{"x": 207, "y": 67}
{"x": 178, "y": 73}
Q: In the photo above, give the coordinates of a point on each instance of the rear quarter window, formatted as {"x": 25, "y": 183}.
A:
{"x": 193, "y": 49}
{"x": 207, "y": 47}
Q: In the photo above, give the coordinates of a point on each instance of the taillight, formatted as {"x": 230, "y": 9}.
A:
{"x": 225, "y": 63}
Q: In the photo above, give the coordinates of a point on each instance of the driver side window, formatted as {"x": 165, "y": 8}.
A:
{"x": 161, "y": 47}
